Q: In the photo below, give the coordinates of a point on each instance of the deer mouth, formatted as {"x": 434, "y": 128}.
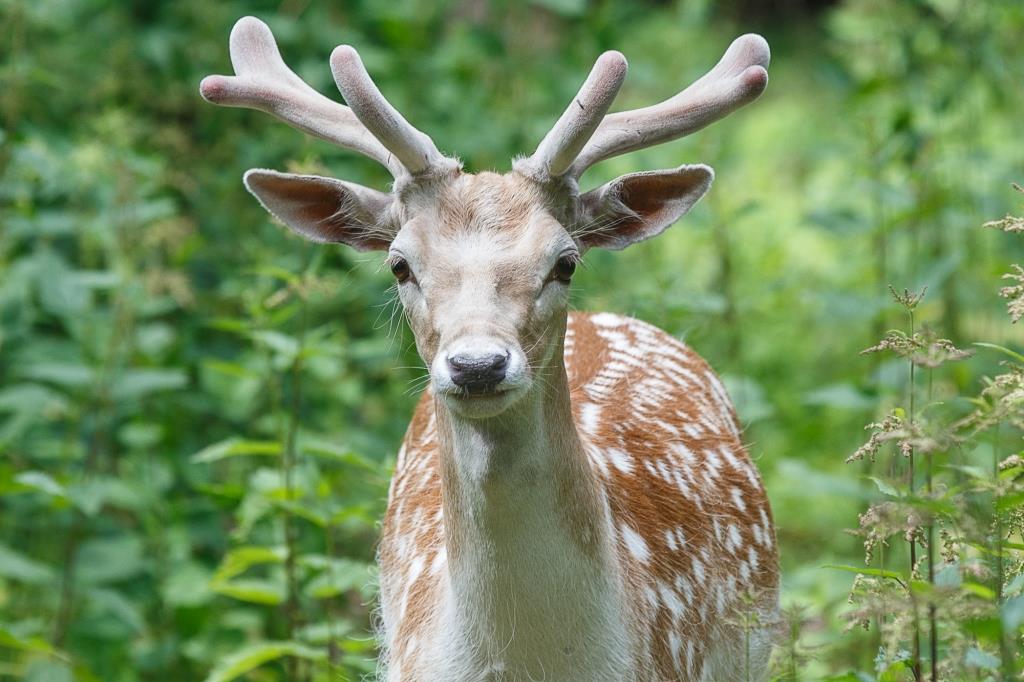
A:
{"x": 481, "y": 403}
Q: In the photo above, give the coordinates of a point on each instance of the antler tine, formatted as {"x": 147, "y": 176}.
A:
{"x": 264, "y": 82}
{"x": 739, "y": 78}
{"x": 413, "y": 148}
{"x": 563, "y": 143}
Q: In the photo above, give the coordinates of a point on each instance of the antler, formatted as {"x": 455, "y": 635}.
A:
{"x": 739, "y": 78}
{"x": 413, "y": 148}
{"x": 563, "y": 143}
{"x": 263, "y": 81}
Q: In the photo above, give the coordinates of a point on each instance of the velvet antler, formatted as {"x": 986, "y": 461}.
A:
{"x": 372, "y": 127}
{"x": 577, "y": 141}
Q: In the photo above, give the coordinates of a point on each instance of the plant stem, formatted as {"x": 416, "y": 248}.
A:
{"x": 913, "y": 543}
{"x": 1005, "y": 654}
{"x": 932, "y": 627}
{"x": 288, "y": 463}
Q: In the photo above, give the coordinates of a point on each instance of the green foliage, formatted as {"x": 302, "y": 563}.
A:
{"x": 198, "y": 411}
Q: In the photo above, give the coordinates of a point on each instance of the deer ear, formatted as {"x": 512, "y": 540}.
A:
{"x": 324, "y": 209}
{"x": 639, "y": 206}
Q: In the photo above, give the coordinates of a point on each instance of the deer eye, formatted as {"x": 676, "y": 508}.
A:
{"x": 564, "y": 269}
{"x": 400, "y": 269}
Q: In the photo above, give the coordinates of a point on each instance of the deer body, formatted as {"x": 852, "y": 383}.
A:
{"x": 609, "y": 532}
{"x": 572, "y": 501}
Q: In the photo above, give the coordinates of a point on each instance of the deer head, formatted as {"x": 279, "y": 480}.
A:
{"x": 483, "y": 262}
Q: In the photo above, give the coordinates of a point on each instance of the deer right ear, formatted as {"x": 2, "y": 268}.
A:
{"x": 639, "y": 206}
{"x": 326, "y": 210}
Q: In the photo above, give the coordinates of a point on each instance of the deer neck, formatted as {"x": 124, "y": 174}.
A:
{"x": 526, "y": 532}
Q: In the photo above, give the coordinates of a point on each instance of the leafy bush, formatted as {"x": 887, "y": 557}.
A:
{"x": 198, "y": 411}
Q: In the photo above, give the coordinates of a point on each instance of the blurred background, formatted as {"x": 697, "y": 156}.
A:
{"x": 198, "y": 411}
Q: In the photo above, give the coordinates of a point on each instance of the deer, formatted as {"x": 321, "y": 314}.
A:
{"x": 572, "y": 500}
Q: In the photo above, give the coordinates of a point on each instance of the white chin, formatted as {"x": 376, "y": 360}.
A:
{"x": 482, "y": 406}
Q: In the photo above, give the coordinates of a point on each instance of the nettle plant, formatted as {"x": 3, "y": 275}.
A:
{"x": 949, "y": 603}
{"x": 572, "y": 500}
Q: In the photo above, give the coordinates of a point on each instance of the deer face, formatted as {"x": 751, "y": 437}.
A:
{"x": 483, "y": 262}
{"x": 483, "y": 273}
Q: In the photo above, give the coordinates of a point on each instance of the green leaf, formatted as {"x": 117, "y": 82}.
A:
{"x": 876, "y": 572}
{"x": 112, "y": 602}
{"x": 1012, "y": 614}
{"x": 979, "y": 590}
{"x": 17, "y": 566}
{"x": 989, "y": 629}
{"x": 977, "y": 658}
{"x": 35, "y": 645}
{"x": 251, "y": 590}
{"x": 885, "y": 487}
{"x": 105, "y": 560}
{"x": 92, "y": 494}
{"x": 236, "y": 447}
{"x": 187, "y": 586}
{"x": 41, "y": 482}
{"x": 31, "y": 397}
{"x": 284, "y": 345}
{"x": 67, "y": 374}
{"x": 239, "y": 560}
{"x": 340, "y": 576}
{"x": 48, "y": 671}
{"x": 338, "y": 453}
{"x": 1002, "y": 349}
{"x": 133, "y": 384}
{"x": 566, "y": 8}
{"x": 255, "y": 655}
{"x": 1011, "y": 501}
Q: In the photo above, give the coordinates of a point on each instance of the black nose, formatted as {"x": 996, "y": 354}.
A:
{"x": 477, "y": 373}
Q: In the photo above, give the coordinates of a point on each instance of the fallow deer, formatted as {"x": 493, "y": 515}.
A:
{"x": 573, "y": 500}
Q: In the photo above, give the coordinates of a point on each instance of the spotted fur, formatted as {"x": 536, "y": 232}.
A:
{"x": 688, "y": 519}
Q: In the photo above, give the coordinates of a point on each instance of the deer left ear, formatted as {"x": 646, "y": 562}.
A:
{"x": 325, "y": 209}
{"x": 639, "y": 206}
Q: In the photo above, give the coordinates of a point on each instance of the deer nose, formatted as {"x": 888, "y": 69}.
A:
{"x": 478, "y": 373}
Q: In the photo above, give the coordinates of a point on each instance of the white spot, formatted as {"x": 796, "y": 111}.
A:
{"x": 713, "y": 462}
{"x": 734, "y": 538}
{"x": 607, "y": 320}
{"x": 729, "y": 457}
{"x": 685, "y": 453}
{"x": 621, "y": 460}
{"x": 670, "y": 599}
{"x": 684, "y": 587}
{"x": 680, "y": 536}
{"x": 766, "y": 527}
{"x": 635, "y": 544}
{"x": 440, "y": 559}
{"x": 651, "y": 596}
{"x": 683, "y": 487}
{"x": 670, "y": 539}
{"x": 595, "y": 457}
{"x": 698, "y": 570}
{"x": 590, "y": 417}
{"x": 737, "y": 499}
{"x": 752, "y": 557}
{"x": 415, "y": 568}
